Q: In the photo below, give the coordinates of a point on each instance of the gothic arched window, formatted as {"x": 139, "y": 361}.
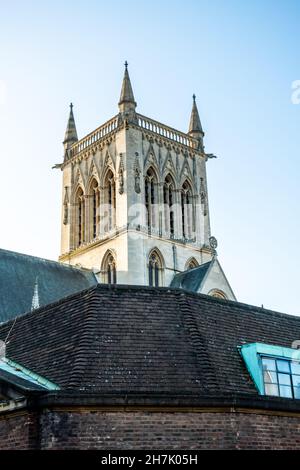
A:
{"x": 109, "y": 270}
{"x": 191, "y": 264}
{"x": 80, "y": 217}
{"x": 186, "y": 210}
{"x": 155, "y": 269}
{"x": 150, "y": 197}
{"x": 219, "y": 294}
{"x": 110, "y": 200}
{"x": 168, "y": 204}
{"x": 94, "y": 212}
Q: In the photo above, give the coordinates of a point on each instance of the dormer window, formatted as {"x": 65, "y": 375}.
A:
{"x": 281, "y": 377}
{"x": 275, "y": 370}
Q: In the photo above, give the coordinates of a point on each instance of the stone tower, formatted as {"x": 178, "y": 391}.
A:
{"x": 135, "y": 202}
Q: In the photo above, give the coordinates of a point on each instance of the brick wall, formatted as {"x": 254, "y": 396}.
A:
{"x": 148, "y": 430}
{"x": 18, "y": 431}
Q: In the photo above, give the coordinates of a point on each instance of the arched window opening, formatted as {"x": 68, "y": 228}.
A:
{"x": 109, "y": 269}
{"x": 168, "y": 205}
{"x": 219, "y": 294}
{"x": 80, "y": 217}
{"x": 186, "y": 210}
{"x": 95, "y": 200}
{"x": 150, "y": 197}
{"x": 110, "y": 200}
{"x": 191, "y": 264}
{"x": 155, "y": 269}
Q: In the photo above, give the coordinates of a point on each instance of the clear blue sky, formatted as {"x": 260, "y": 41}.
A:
{"x": 240, "y": 58}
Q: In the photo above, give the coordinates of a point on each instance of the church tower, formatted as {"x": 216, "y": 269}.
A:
{"x": 135, "y": 202}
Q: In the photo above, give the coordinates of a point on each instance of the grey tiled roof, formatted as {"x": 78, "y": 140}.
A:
{"x": 135, "y": 339}
{"x": 18, "y": 275}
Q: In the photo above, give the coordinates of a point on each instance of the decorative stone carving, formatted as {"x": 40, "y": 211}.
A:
{"x": 109, "y": 161}
{"x": 177, "y": 163}
{"x": 169, "y": 165}
{"x": 66, "y": 207}
{"x": 137, "y": 176}
{"x": 213, "y": 243}
{"x": 194, "y": 167}
{"x": 159, "y": 157}
{"x": 137, "y": 183}
{"x": 185, "y": 170}
{"x": 143, "y": 138}
{"x": 121, "y": 175}
{"x": 93, "y": 171}
{"x": 151, "y": 158}
{"x": 203, "y": 197}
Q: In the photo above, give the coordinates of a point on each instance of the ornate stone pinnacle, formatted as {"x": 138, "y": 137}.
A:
{"x": 195, "y": 127}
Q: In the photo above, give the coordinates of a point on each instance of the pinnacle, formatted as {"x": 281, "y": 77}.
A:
{"x": 195, "y": 123}
{"x": 71, "y": 133}
{"x": 127, "y": 96}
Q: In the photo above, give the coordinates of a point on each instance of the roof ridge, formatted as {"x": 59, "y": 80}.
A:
{"x": 232, "y": 303}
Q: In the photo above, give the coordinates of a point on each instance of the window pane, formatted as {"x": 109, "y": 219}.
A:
{"x": 269, "y": 364}
{"x": 285, "y": 391}
{"x": 284, "y": 379}
{"x": 296, "y": 380}
{"x": 295, "y": 366}
{"x": 271, "y": 390}
{"x": 297, "y": 392}
{"x": 270, "y": 377}
{"x": 283, "y": 366}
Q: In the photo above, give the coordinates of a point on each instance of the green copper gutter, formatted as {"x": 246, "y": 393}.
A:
{"x": 12, "y": 367}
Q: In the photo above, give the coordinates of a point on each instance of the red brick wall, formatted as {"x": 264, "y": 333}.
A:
{"x": 18, "y": 431}
{"x": 149, "y": 430}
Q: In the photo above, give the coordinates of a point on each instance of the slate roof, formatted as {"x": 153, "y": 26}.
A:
{"x": 134, "y": 339}
{"x": 191, "y": 279}
{"x": 18, "y": 275}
